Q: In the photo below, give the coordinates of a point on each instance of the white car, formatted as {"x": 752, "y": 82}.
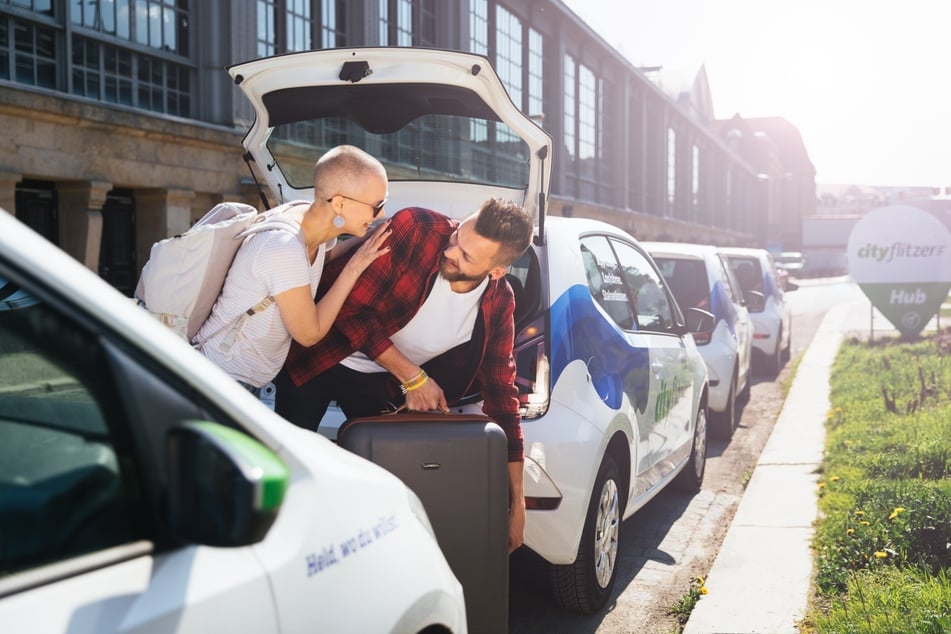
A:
{"x": 758, "y": 278}
{"x": 143, "y": 490}
{"x": 700, "y": 278}
{"x": 613, "y": 390}
{"x": 792, "y": 262}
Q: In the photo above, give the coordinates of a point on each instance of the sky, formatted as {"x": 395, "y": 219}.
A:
{"x": 866, "y": 82}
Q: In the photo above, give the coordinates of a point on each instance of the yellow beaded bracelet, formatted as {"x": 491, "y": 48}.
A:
{"x": 414, "y": 383}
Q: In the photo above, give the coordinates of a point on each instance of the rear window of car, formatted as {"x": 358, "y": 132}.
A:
{"x": 748, "y": 273}
{"x": 687, "y": 280}
{"x": 433, "y": 147}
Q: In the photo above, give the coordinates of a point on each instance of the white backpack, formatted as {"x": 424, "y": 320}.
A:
{"x": 185, "y": 273}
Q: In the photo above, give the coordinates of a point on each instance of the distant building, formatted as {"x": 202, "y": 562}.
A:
{"x": 122, "y": 127}
{"x": 776, "y": 149}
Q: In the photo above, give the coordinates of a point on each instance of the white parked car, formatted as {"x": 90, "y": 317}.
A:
{"x": 759, "y": 280}
{"x": 615, "y": 398}
{"x": 143, "y": 490}
{"x": 700, "y": 278}
{"x": 792, "y": 262}
{"x": 614, "y": 392}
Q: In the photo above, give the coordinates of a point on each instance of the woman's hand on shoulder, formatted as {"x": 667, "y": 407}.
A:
{"x": 372, "y": 248}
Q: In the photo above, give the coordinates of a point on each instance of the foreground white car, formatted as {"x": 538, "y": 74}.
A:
{"x": 613, "y": 389}
{"x": 758, "y": 278}
{"x": 143, "y": 490}
{"x": 700, "y": 278}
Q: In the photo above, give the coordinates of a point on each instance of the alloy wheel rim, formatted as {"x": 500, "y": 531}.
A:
{"x": 606, "y": 533}
{"x": 700, "y": 444}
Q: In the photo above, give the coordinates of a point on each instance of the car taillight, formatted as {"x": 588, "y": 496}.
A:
{"x": 532, "y": 376}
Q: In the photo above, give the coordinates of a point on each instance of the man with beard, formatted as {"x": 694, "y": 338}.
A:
{"x": 425, "y": 325}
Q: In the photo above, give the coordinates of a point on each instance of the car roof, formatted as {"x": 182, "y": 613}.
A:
{"x": 744, "y": 251}
{"x": 582, "y": 226}
{"x": 680, "y": 249}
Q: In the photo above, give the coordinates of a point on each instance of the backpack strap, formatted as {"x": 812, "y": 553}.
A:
{"x": 261, "y": 306}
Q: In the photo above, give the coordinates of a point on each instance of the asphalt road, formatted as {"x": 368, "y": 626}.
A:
{"x": 675, "y": 537}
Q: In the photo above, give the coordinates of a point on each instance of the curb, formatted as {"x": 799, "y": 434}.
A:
{"x": 761, "y": 579}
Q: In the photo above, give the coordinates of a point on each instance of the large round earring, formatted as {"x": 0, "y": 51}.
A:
{"x": 339, "y": 222}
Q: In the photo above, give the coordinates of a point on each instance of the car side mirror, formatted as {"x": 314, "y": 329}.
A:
{"x": 224, "y": 487}
{"x": 755, "y": 301}
{"x": 790, "y": 286}
{"x": 699, "y": 320}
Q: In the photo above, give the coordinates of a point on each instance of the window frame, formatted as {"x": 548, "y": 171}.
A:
{"x": 151, "y": 395}
{"x": 674, "y": 317}
{"x": 116, "y": 434}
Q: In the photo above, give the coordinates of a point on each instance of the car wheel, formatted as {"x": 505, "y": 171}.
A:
{"x": 744, "y": 395}
{"x": 778, "y": 358}
{"x": 585, "y": 585}
{"x": 726, "y": 420}
{"x": 787, "y": 351}
{"x": 691, "y": 477}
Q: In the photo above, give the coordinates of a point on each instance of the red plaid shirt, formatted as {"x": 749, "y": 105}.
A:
{"x": 390, "y": 292}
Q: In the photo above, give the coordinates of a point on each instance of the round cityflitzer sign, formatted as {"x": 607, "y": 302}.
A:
{"x": 901, "y": 257}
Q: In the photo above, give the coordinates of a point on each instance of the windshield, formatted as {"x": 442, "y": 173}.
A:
{"x": 432, "y": 148}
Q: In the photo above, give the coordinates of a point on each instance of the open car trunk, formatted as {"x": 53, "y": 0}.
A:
{"x": 440, "y": 121}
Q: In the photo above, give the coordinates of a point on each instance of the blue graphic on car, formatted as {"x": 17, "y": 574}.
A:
{"x": 616, "y": 367}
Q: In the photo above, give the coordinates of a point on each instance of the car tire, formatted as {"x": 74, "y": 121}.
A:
{"x": 778, "y": 358}
{"x": 744, "y": 395}
{"x": 585, "y": 585}
{"x": 787, "y": 351}
{"x": 725, "y": 421}
{"x": 691, "y": 478}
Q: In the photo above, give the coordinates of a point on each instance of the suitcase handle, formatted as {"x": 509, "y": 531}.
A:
{"x": 419, "y": 417}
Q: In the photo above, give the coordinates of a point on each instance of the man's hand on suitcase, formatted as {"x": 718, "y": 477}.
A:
{"x": 428, "y": 397}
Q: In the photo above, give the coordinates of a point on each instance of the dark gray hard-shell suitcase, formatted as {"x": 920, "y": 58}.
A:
{"x": 457, "y": 465}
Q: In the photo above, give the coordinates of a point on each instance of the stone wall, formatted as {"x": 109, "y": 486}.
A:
{"x": 176, "y": 169}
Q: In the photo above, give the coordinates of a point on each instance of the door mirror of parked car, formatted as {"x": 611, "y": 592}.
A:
{"x": 700, "y": 322}
{"x": 755, "y": 301}
{"x": 790, "y": 286}
{"x": 225, "y": 488}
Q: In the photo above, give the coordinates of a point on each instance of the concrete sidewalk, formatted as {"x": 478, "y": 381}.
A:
{"x": 761, "y": 580}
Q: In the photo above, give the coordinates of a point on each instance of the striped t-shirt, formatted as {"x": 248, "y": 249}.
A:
{"x": 268, "y": 263}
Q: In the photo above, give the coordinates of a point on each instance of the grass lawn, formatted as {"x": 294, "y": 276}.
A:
{"x": 883, "y": 541}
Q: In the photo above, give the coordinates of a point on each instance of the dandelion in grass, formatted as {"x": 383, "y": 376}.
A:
{"x": 834, "y": 479}
{"x": 880, "y": 554}
{"x": 701, "y": 585}
{"x": 859, "y": 512}
{"x": 850, "y": 532}
{"x": 865, "y": 523}
{"x": 896, "y": 512}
